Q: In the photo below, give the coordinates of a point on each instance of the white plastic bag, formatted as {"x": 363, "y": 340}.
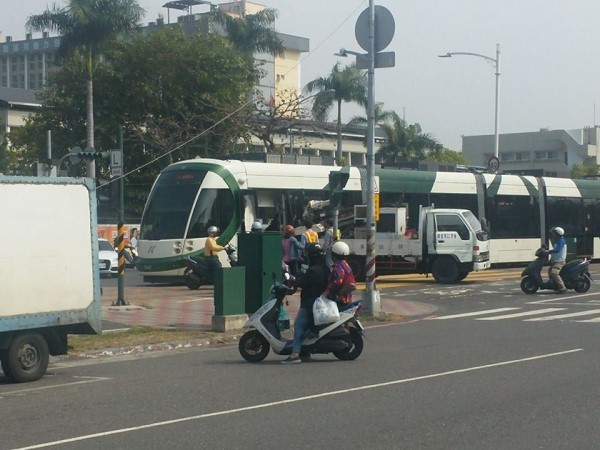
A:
{"x": 325, "y": 311}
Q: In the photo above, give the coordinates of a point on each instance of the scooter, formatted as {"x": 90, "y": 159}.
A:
{"x": 198, "y": 272}
{"x": 574, "y": 274}
{"x": 342, "y": 338}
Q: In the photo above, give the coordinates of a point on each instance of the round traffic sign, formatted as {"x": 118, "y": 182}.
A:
{"x": 494, "y": 164}
{"x": 384, "y": 28}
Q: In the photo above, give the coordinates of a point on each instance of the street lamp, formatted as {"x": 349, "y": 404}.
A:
{"x": 496, "y": 62}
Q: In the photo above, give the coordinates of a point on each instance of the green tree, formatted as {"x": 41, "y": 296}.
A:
{"x": 406, "y": 142}
{"x": 343, "y": 84}
{"x": 585, "y": 171}
{"x": 444, "y": 155}
{"x": 86, "y": 27}
{"x": 170, "y": 111}
{"x": 251, "y": 33}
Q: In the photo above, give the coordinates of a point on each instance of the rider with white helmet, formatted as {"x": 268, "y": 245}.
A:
{"x": 558, "y": 256}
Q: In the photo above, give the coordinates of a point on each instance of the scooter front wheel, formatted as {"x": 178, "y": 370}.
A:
{"x": 529, "y": 285}
{"x": 355, "y": 350}
{"x": 583, "y": 285}
{"x": 253, "y": 346}
{"x": 192, "y": 281}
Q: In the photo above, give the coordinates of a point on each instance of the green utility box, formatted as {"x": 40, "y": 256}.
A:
{"x": 260, "y": 255}
{"x": 230, "y": 291}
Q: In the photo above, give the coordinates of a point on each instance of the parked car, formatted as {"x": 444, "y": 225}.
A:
{"x": 108, "y": 258}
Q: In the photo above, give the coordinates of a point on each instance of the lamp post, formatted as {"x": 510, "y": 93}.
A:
{"x": 496, "y": 62}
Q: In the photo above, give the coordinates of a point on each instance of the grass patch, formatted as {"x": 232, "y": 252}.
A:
{"x": 141, "y": 336}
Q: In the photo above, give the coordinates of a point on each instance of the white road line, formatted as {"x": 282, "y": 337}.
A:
{"x": 43, "y": 388}
{"x": 195, "y": 300}
{"x": 522, "y": 314}
{"x": 559, "y": 298}
{"x": 476, "y": 313}
{"x": 594, "y": 320}
{"x": 565, "y": 316}
{"x": 297, "y": 399}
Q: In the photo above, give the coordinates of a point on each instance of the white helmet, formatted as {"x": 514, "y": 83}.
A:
{"x": 212, "y": 230}
{"x": 559, "y": 231}
{"x": 256, "y": 226}
{"x": 340, "y": 248}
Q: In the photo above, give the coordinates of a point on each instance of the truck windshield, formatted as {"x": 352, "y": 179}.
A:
{"x": 475, "y": 225}
{"x": 170, "y": 204}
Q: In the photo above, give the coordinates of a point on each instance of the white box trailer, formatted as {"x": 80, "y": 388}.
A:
{"x": 49, "y": 276}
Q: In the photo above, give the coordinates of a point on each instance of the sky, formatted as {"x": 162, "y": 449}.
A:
{"x": 549, "y": 62}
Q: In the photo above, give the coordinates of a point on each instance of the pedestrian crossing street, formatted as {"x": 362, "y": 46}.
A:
{"x": 528, "y": 315}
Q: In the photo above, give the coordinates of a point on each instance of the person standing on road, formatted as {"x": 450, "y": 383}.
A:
{"x": 329, "y": 240}
{"x": 558, "y": 256}
{"x": 312, "y": 283}
{"x": 292, "y": 249}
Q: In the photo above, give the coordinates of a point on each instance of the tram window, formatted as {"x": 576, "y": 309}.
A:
{"x": 566, "y": 212}
{"x": 213, "y": 207}
{"x": 592, "y": 209}
{"x": 514, "y": 216}
{"x": 452, "y": 222}
{"x": 455, "y": 201}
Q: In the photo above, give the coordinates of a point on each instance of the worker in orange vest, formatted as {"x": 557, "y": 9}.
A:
{"x": 309, "y": 236}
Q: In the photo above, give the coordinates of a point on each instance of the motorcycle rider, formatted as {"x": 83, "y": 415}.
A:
{"x": 340, "y": 275}
{"x": 312, "y": 283}
{"x": 211, "y": 248}
{"x": 558, "y": 256}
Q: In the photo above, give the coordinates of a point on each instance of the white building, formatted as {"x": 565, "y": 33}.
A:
{"x": 548, "y": 152}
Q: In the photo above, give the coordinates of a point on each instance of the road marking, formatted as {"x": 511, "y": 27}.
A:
{"x": 559, "y": 298}
{"x": 476, "y": 313}
{"x": 297, "y": 399}
{"x": 195, "y": 300}
{"x": 522, "y": 314}
{"x": 43, "y": 388}
{"x": 565, "y": 316}
{"x": 594, "y": 320}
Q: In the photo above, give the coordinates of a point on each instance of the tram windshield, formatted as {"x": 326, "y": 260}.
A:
{"x": 171, "y": 203}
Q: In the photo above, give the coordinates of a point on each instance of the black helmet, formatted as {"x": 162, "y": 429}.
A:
{"x": 314, "y": 250}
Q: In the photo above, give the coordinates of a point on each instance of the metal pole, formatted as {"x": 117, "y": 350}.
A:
{"x": 373, "y": 306}
{"x": 49, "y": 153}
{"x": 496, "y": 135}
{"x": 121, "y": 232}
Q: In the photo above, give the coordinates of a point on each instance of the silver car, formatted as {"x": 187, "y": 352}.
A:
{"x": 108, "y": 258}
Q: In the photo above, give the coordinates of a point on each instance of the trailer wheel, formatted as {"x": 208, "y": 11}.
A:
{"x": 358, "y": 268}
{"x": 27, "y": 358}
{"x": 445, "y": 271}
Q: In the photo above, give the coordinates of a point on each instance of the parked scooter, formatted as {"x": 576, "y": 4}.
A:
{"x": 198, "y": 272}
{"x": 574, "y": 274}
{"x": 342, "y": 338}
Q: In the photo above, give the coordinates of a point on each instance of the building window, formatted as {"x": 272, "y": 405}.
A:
{"x": 549, "y": 154}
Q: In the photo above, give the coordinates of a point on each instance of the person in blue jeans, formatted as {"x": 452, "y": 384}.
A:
{"x": 312, "y": 283}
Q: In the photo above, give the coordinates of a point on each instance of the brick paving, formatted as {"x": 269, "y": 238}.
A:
{"x": 180, "y": 307}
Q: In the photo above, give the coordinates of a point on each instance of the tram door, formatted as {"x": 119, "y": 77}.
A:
{"x": 585, "y": 248}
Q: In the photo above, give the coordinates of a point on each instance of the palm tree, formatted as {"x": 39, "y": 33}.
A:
{"x": 251, "y": 33}
{"x": 406, "y": 142}
{"x": 380, "y": 116}
{"x": 86, "y": 26}
{"x": 345, "y": 84}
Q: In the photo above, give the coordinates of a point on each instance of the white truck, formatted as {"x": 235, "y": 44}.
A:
{"x": 449, "y": 243}
{"x": 49, "y": 274}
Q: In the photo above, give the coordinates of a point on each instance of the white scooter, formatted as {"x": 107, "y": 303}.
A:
{"x": 342, "y": 338}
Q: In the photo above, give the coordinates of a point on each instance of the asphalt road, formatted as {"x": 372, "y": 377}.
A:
{"x": 451, "y": 381}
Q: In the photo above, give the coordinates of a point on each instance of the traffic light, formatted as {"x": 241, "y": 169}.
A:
{"x": 88, "y": 156}
{"x": 337, "y": 181}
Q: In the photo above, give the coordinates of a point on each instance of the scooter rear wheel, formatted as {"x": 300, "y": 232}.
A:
{"x": 355, "y": 350}
{"x": 583, "y": 285}
{"x": 253, "y": 346}
{"x": 529, "y": 285}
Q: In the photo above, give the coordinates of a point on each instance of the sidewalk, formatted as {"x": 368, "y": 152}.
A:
{"x": 180, "y": 307}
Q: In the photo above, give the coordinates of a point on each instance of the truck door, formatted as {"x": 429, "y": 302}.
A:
{"x": 452, "y": 237}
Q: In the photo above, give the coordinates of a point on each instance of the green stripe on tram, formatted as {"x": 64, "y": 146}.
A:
{"x": 402, "y": 181}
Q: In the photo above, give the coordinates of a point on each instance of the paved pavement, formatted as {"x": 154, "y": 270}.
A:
{"x": 180, "y": 307}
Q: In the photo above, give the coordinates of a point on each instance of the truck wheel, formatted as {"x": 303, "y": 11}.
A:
{"x": 27, "y": 358}
{"x": 462, "y": 276}
{"x": 445, "y": 271}
{"x": 358, "y": 268}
